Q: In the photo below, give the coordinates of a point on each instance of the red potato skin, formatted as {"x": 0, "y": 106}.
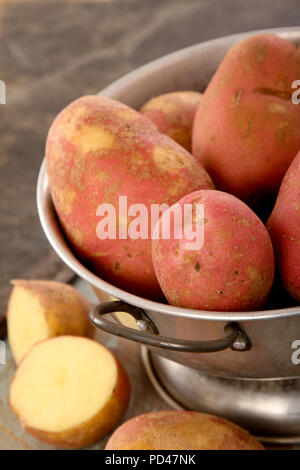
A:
{"x": 247, "y": 130}
{"x": 180, "y": 430}
{"x": 174, "y": 114}
{"x": 284, "y": 229}
{"x": 97, "y": 150}
{"x": 233, "y": 271}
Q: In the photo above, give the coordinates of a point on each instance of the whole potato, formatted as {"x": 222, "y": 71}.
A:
{"x": 284, "y": 229}
{"x": 232, "y": 271}
{"x": 247, "y": 130}
{"x": 174, "y": 114}
{"x": 181, "y": 430}
{"x": 98, "y": 150}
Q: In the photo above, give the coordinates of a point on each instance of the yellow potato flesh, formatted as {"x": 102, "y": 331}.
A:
{"x": 26, "y": 322}
{"x": 62, "y": 383}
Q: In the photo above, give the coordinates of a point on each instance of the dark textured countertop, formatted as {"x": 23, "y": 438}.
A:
{"x": 52, "y": 52}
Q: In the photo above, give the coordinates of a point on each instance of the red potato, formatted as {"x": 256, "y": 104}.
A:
{"x": 174, "y": 114}
{"x": 97, "y": 150}
{"x": 232, "y": 271}
{"x": 284, "y": 229}
{"x": 181, "y": 430}
{"x": 247, "y": 130}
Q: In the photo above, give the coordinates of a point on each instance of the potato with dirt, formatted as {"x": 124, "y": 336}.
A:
{"x": 181, "y": 430}
{"x": 98, "y": 151}
{"x": 221, "y": 260}
{"x": 174, "y": 114}
{"x": 284, "y": 229}
{"x": 247, "y": 129}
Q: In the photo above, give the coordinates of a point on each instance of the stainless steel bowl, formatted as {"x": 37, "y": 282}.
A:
{"x": 249, "y": 345}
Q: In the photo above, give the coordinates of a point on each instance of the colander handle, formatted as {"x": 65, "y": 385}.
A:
{"x": 147, "y": 333}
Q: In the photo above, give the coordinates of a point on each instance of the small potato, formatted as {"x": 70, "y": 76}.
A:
{"x": 97, "y": 151}
{"x": 247, "y": 129}
{"x": 181, "y": 430}
{"x": 232, "y": 271}
{"x": 39, "y": 310}
{"x": 284, "y": 229}
{"x": 69, "y": 391}
{"x": 174, "y": 114}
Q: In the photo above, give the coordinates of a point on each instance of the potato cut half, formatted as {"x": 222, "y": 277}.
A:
{"x": 69, "y": 391}
{"x": 39, "y": 310}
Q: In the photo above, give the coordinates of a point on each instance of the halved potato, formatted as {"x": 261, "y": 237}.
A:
{"x": 69, "y": 391}
{"x": 40, "y": 310}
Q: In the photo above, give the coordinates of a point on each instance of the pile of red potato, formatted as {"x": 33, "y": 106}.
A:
{"x": 231, "y": 150}
{"x": 240, "y": 137}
